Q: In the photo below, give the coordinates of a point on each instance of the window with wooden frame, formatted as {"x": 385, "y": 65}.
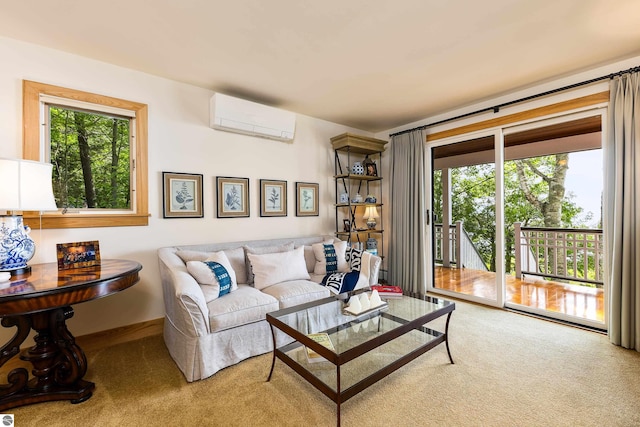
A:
{"x": 98, "y": 147}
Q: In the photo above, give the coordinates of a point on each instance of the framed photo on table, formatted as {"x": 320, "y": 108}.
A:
{"x": 273, "y": 198}
{"x": 78, "y": 254}
{"x": 182, "y": 195}
{"x": 232, "y": 197}
{"x": 307, "y": 199}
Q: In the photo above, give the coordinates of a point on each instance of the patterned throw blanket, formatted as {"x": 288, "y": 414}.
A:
{"x": 340, "y": 282}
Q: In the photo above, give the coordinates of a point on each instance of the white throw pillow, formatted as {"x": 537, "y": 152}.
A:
{"x": 207, "y": 278}
{"x": 235, "y": 256}
{"x": 309, "y": 258}
{"x": 187, "y": 255}
{"x": 340, "y": 249}
{"x": 269, "y": 269}
{"x": 261, "y": 250}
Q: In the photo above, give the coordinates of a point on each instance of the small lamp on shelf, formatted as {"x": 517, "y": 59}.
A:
{"x": 25, "y": 186}
{"x": 370, "y": 215}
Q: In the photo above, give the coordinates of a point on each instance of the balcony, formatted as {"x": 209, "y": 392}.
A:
{"x": 572, "y": 300}
{"x": 569, "y": 254}
{"x": 550, "y": 270}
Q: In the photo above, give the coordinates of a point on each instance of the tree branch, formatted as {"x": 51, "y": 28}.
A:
{"x": 524, "y": 186}
{"x": 537, "y": 171}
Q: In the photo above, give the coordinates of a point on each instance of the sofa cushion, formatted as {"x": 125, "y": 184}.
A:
{"x": 330, "y": 257}
{"x": 273, "y": 268}
{"x": 309, "y": 258}
{"x": 296, "y": 292}
{"x": 260, "y": 250}
{"x": 211, "y": 278}
{"x": 317, "y": 278}
{"x": 245, "y": 305}
{"x": 235, "y": 256}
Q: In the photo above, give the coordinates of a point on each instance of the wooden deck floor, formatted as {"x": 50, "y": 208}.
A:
{"x": 580, "y": 301}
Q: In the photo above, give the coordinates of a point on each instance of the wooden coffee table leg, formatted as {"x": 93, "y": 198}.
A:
{"x": 273, "y": 360}
{"x": 446, "y": 337}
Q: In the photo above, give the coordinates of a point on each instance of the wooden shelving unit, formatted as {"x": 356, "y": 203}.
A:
{"x": 348, "y": 149}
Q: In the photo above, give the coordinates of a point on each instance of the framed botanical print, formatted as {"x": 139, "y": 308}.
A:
{"x": 273, "y": 198}
{"x": 232, "y": 197}
{"x": 307, "y": 199}
{"x": 182, "y": 195}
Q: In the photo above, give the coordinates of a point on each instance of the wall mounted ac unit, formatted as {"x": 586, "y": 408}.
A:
{"x": 238, "y": 115}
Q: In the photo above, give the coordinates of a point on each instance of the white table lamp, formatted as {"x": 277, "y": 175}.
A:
{"x": 370, "y": 215}
{"x": 25, "y": 185}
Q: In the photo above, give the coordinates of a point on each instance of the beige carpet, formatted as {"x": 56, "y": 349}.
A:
{"x": 511, "y": 370}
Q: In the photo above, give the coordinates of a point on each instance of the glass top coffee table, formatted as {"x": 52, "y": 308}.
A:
{"x": 365, "y": 348}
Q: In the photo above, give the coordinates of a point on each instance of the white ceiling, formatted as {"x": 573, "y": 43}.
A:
{"x": 370, "y": 64}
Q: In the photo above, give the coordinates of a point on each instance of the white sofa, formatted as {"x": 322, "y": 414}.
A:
{"x": 204, "y": 337}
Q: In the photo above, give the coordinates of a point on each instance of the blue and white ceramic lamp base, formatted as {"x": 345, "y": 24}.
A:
{"x": 16, "y": 247}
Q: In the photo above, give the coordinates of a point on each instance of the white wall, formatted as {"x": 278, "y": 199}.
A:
{"x": 180, "y": 140}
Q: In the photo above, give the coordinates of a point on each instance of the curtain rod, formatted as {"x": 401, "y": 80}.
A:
{"x": 496, "y": 108}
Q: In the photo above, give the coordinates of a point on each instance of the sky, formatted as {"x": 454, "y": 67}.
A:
{"x": 585, "y": 180}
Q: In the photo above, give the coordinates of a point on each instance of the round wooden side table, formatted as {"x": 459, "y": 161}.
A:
{"x": 41, "y": 301}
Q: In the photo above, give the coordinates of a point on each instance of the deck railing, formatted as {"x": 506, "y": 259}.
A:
{"x": 457, "y": 248}
{"x": 574, "y": 254}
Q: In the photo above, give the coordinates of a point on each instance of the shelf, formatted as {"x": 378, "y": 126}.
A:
{"x": 358, "y": 144}
{"x": 344, "y": 233}
{"x": 358, "y": 177}
{"x": 346, "y": 205}
{"x": 350, "y": 149}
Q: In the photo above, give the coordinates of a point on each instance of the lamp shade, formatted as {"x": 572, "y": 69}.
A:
{"x": 26, "y": 186}
{"x": 370, "y": 212}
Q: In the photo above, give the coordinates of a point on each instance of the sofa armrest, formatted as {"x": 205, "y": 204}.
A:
{"x": 185, "y": 306}
{"x": 374, "y": 269}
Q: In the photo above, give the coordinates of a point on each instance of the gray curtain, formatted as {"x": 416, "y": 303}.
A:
{"x": 621, "y": 199}
{"x": 407, "y": 250}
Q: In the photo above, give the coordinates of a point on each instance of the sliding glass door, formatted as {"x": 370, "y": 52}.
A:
{"x": 465, "y": 233}
{"x": 553, "y": 219}
{"x": 516, "y": 218}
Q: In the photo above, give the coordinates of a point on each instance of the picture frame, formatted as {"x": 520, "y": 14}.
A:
{"x": 273, "y": 198}
{"x": 346, "y": 225}
{"x": 182, "y": 195}
{"x": 370, "y": 167}
{"x": 307, "y": 199}
{"x": 232, "y": 195}
{"x": 78, "y": 254}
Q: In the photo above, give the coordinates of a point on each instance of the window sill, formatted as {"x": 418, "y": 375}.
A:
{"x": 84, "y": 221}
